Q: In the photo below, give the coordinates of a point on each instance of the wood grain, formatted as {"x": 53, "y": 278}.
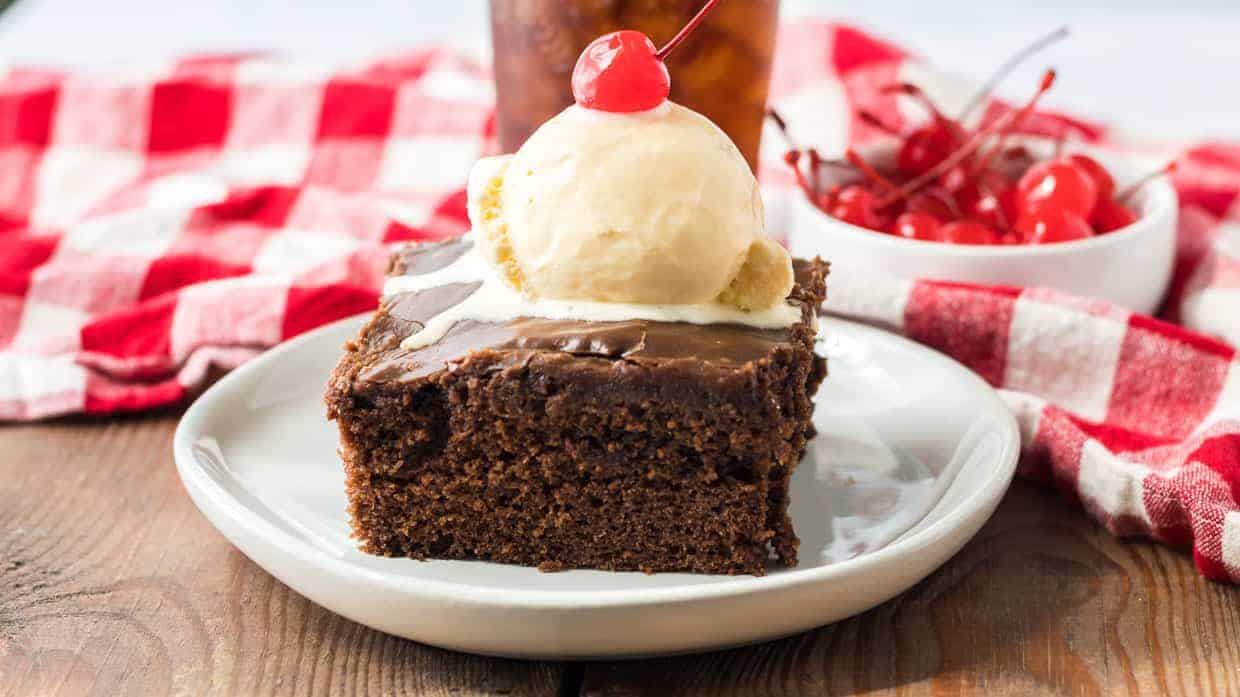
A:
{"x": 1042, "y": 602}
{"x": 111, "y": 583}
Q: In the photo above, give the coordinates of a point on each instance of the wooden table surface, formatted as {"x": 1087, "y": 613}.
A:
{"x": 112, "y": 583}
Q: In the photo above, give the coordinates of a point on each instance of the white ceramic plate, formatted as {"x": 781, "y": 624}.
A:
{"x": 913, "y": 456}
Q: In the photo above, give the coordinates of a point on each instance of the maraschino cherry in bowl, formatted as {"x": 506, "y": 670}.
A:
{"x": 1129, "y": 265}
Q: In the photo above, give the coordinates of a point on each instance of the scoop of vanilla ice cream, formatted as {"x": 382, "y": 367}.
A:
{"x": 656, "y": 207}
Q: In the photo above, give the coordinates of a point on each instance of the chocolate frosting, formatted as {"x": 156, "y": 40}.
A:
{"x": 403, "y": 314}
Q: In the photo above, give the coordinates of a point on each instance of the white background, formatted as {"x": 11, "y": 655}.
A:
{"x": 1171, "y": 69}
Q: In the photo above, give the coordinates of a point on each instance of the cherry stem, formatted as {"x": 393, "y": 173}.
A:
{"x": 1004, "y": 70}
{"x": 919, "y": 95}
{"x": 983, "y": 163}
{"x": 974, "y": 142}
{"x": 782, "y": 125}
{"x": 872, "y": 119}
{"x": 815, "y": 163}
{"x": 868, "y": 170}
{"x": 670, "y": 46}
{"x": 813, "y": 184}
{"x": 947, "y": 201}
{"x": 793, "y": 159}
{"x": 1132, "y": 189}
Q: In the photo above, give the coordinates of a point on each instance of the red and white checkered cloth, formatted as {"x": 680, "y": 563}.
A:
{"x": 153, "y": 226}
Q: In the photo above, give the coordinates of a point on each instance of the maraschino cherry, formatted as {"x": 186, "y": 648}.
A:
{"x": 913, "y": 225}
{"x": 855, "y": 204}
{"x": 1051, "y": 224}
{"x": 934, "y": 201}
{"x": 924, "y": 148}
{"x": 620, "y": 72}
{"x": 623, "y": 72}
{"x": 968, "y": 232}
{"x": 1111, "y": 215}
{"x": 930, "y": 144}
{"x": 1102, "y": 178}
{"x": 988, "y": 198}
{"x": 1060, "y": 183}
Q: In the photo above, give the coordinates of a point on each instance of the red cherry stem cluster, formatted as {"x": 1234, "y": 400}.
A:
{"x": 955, "y": 184}
{"x": 986, "y": 160}
{"x": 856, "y": 160}
{"x": 1002, "y": 125}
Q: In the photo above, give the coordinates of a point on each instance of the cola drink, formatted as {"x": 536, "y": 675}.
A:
{"x": 722, "y": 70}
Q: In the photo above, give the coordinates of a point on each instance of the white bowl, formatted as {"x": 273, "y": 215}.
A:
{"x": 1130, "y": 267}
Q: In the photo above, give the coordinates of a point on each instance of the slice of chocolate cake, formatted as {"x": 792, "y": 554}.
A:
{"x": 630, "y": 445}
